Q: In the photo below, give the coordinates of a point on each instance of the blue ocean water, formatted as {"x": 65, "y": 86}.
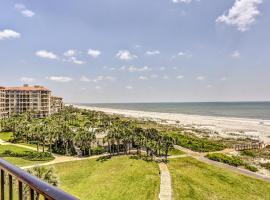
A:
{"x": 255, "y": 110}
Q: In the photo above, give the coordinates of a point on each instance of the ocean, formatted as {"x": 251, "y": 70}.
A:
{"x": 254, "y": 110}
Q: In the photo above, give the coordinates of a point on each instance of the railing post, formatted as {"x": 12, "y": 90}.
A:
{"x": 20, "y": 190}
{"x": 10, "y": 183}
{"x": 2, "y": 184}
{"x": 32, "y": 194}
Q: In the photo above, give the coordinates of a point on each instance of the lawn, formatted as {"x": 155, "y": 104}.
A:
{"x": 175, "y": 152}
{"x": 6, "y": 136}
{"x": 17, "y": 160}
{"x": 198, "y": 181}
{"x": 116, "y": 178}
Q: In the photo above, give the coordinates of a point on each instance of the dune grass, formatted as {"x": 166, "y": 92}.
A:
{"x": 116, "y": 178}
{"x": 195, "y": 180}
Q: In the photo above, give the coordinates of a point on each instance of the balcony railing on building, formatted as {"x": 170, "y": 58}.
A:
{"x": 16, "y": 183}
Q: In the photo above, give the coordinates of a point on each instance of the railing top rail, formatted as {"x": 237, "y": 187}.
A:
{"x": 45, "y": 189}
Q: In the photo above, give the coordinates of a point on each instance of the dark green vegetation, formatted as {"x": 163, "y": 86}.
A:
{"x": 230, "y": 160}
{"x": 195, "y": 143}
{"x": 72, "y": 129}
{"x": 266, "y": 165}
{"x": 22, "y": 156}
{"x": 120, "y": 177}
{"x": 195, "y": 180}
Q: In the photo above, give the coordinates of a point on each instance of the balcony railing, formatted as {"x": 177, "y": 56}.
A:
{"x": 27, "y": 186}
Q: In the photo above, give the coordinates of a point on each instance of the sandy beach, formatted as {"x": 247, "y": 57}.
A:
{"x": 223, "y": 126}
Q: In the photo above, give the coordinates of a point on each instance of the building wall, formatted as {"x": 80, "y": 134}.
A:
{"x": 16, "y": 100}
{"x": 56, "y": 104}
{"x": 2, "y": 102}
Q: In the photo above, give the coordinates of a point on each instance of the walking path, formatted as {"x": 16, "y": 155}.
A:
{"x": 58, "y": 158}
{"x": 165, "y": 183}
{"x": 200, "y": 157}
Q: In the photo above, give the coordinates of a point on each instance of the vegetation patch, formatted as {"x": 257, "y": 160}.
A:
{"x": 116, "y": 177}
{"x": 196, "y": 144}
{"x": 192, "y": 179}
{"x": 231, "y": 160}
{"x": 266, "y": 165}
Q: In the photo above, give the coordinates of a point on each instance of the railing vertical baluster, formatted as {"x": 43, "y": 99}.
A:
{"x": 10, "y": 190}
{"x": 32, "y": 194}
{"x": 2, "y": 184}
{"x": 20, "y": 190}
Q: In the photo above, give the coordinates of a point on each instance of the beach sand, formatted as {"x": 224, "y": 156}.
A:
{"x": 225, "y": 127}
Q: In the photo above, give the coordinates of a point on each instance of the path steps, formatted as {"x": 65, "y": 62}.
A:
{"x": 165, "y": 183}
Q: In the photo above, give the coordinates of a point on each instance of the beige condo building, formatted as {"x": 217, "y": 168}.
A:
{"x": 16, "y": 100}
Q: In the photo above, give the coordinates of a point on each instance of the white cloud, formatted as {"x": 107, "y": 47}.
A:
{"x": 143, "y": 78}
{"x": 180, "y": 77}
{"x": 104, "y": 78}
{"x": 9, "y": 34}
{"x": 235, "y": 54}
{"x": 137, "y": 69}
{"x": 76, "y": 61}
{"x": 181, "y": 1}
{"x": 24, "y": 11}
{"x": 129, "y": 87}
{"x": 223, "y": 78}
{"x": 28, "y": 13}
{"x": 184, "y": 54}
{"x": 200, "y": 78}
{"x": 46, "y": 54}
{"x": 70, "y": 52}
{"x": 94, "y": 53}
{"x": 19, "y": 6}
{"x": 62, "y": 79}
{"x": 242, "y": 14}
{"x": 84, "y": 79}
{"x": 152, "y": 53}
{"x": 27, "y": 79}
{"x": 125, "y": 55}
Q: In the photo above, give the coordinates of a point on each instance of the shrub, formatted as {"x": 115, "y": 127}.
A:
{"x": 266, "y": 165}
{"x": 248, "y": 153}
{"x": 251, "y": 168}
{"x": 97, "y": 150}
{"x": 195, "y": 143}
{"x": 230, "y": 160}
{"x": 28, "y": 155}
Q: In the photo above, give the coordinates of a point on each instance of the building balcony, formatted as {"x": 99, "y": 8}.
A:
{"x": 14, "y": 179}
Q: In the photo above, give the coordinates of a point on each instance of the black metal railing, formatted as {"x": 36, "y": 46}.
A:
{"x": 16, "y": 183}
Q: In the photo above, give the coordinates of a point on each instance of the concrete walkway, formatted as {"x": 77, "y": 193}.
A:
{"x": 165, "y": 183}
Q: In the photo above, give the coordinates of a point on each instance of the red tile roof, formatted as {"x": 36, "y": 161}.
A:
{"x": 25, "y": 88}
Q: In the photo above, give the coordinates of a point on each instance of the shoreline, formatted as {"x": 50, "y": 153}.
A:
{"x": 224, "y": 126}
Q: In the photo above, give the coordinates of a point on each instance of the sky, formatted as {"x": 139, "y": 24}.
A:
{"x": 98, "y": 51}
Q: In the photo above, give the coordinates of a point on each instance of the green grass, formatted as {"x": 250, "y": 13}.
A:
{"x": 175, "y": 152}
{"x": 13, "y": 148}
{"x": 194, "y": 143}
{"x": 195, "y": 180}
{"x": 6, "y": 136}
{"x": 16, "y": 160}
{"x": 22, "y": 162}
{"x": 117, "y": 178}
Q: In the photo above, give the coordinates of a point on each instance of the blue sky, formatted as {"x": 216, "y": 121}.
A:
{"x": 138, "y": 50}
